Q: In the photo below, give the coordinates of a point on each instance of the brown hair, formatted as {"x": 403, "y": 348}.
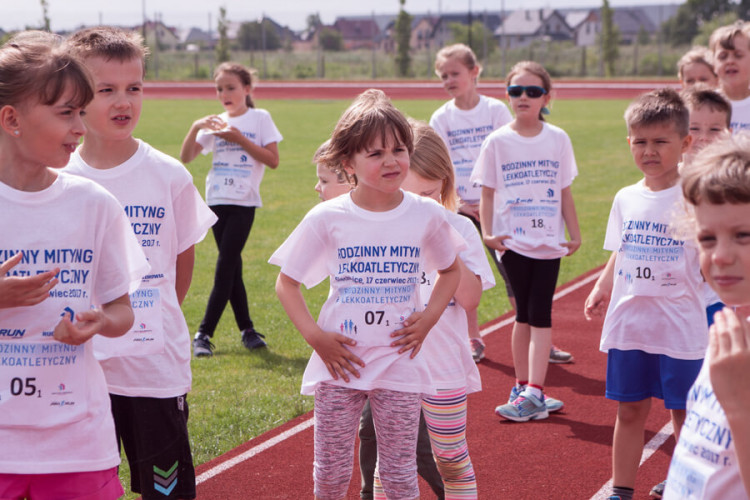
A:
{"x": 432, "y": 161}
{"x": 341, "y": 175}
{"x": 109, "y": 43}
{"x": 535, "y": 69}
{"x": 699, "y": 96}
{"x": 657, "y": 107}
{"x": 369, "y": 117}
{"x": 35, "y": 65}
{"x": 723, "y": 37}
{"x": 460, "y": 52}
{"x": 700, "y": 55}
{"x": 244, "y": 74}
{"x": 719, "y": 173}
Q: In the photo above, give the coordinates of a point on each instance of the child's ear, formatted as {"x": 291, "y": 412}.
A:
{"x": 686, "y": 142}
{"x": 9, "y": 120}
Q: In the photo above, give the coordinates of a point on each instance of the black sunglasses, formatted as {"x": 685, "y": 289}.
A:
{"x": 532, "y": 91}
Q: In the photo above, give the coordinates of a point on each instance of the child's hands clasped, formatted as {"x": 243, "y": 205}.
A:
{"x": 20, "y": 291}
{"x": 331, "y": 347}
{"x": 729, "y": 361}
{"x": 415, "y": 330}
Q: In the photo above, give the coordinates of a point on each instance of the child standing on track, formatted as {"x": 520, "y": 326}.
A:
{"x": 730, "y": 47}
{"x": 654, "y": 331}
{"x": 243, "y": 141}
{"x": 373, "y": 244}
{"x": 695, "y": 67}
{"x": 526, "y": 169}
{"x": 168, "y": 217}
{"x": 463, "y": 123}
{"x": 712, "y": 456}
{"x": 68, "y": 261}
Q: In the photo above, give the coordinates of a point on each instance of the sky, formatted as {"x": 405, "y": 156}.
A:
{"x": 70, "y": 14}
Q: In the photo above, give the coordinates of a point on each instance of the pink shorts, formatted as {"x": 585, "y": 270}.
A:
{"x": 94, "y": 485}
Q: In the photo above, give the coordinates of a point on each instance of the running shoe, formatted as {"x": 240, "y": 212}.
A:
{"x": 477, "y": 349}
{"x": 202, "y": 346}
{"x": 553, "y": 404}
{"x": 658, "y": 490}
{"x": 526, "y": 407}
{"x": 559, "y": 356}
{"x": 253, "y": 340}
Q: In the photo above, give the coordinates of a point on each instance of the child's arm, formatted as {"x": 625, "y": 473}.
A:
{"x": 267, "y": 155}
{"x": 184, "y": 275}
{"x": 486, "y": 213}
{"x": 330, "y": 346}
{"x": 568, "y": 208}
{"x": 190, "y": 147}
{"x": 21, "y": 291}
{"x": 597, "y": 300}
{"x": 729, "y": 369}
{"x": 418, "y": 325}
{"x": 469, "y": 290}
{"x": 111, "y": 320}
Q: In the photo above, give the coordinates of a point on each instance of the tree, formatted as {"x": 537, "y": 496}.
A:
{"x": 313, "y": 22}
{"x": 222, "y": 47}
{"x": 704, "y": 33}
{"x": 610, "y": 39}
{"x": 691, "y": 15}
{"x": 250, "y": 36}
{"x": 45, "y": 15}
{"x": 479, "y": 33}
{"x": 403, "y": 39}
{"x": 330, "y": 39}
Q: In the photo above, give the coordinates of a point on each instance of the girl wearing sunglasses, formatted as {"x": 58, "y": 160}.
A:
{"x": 526, "y": 169}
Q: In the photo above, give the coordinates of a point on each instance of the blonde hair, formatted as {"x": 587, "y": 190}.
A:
{"x": 246, "y": 75}
{"x": 459, "y": 51}
{"x": 369, "y": 117}
{"x": 535, "y": 69}
{"x": 699, "y": 96}
{"x": 723, "y": 37}
{"x": 109, "y": 43}
{"x": 341, "y": 176}
{"x": 656, "y": 107}
{"x": 35, "y": 66}
{"x": 719, "y": 173}
{"x": 431, "y": 160}
{"x": 700, "y": 55}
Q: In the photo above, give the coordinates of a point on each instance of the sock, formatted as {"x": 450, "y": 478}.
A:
{"x": 535, "y": 390}
{"x": 623, "y": 492}
{"x": 521, "y": 384}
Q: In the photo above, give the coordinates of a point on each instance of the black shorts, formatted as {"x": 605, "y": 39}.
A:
{"x": 154, "y": 435}
{"x": 534, "y": 281}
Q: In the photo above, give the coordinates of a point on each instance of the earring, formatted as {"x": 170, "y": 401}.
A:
{"x": 17, "y": 132}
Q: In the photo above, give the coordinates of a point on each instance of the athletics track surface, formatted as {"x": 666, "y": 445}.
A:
{"x": 566, "y": 456}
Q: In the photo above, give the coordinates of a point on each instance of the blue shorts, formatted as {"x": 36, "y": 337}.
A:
{"x": 635, "y": 375}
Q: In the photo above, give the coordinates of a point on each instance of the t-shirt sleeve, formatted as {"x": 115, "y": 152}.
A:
{"x": 442, "y": 244}
{"x": 303, "y": 256}
{"x": 501, "y": 115}
{"x": 475, "y": 257}
{"x": 614, "y": 226}
{"x": 568, "y": 162}
{"x": 193, "y": 217}
{"x": 206, "y": 140}
{"x": 270, "y": 133}
{"x": 485, "y": 170}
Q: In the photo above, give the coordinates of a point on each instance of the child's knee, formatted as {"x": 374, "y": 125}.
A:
{"x": 629, "y": 412}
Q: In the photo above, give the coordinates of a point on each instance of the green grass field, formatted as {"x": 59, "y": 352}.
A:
{"x": 237, "y": 394}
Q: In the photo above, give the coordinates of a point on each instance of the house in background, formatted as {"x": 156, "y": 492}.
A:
{"x": 443, "y": 34}
{"x": 522, "y": 27}
{"x": 586, "y": 26}
{"x": 157, "y": 30}
{"x": 361, "y": 33}
{"x": 632, "y": 22}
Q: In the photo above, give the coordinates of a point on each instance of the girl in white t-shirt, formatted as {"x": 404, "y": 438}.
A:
{"x": 69, "y": 261}
{"x": 373, "y": 244}
{"x": 463, "y": 123}
{"x": 243, "y": 140}
{"x": 526, "y": 169}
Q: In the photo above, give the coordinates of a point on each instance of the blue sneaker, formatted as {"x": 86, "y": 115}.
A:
{"x": 525, "y": 407}
{"x": 514, "y": 393}
{"x": 553, "y": 404}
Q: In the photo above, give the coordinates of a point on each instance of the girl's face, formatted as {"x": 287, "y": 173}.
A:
{"x": 525, "y": 107}
{"x": 731, "y": 66}
{"x": 458, "y": 80}
{"x": 328, "y": 186}
{"x": 380, "y": 168}
{"x": 724, "y": 240}
{"x": 232, "y": 93}
{"x": 415, "y": 183}
{"x": 698, "y": 72}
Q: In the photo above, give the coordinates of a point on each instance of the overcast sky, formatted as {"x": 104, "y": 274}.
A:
{"x": 69, "y": 14}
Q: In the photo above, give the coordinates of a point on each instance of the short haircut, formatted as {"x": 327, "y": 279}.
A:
{"x": 723, "y": 37}
{"x": 459, "y": 51}
{"x": 658, "y": 107}
{"x": 109, "y": 43}
{"x": 699, "y": 55}
{"x": 719, "y": 173}
{"x": 34, "y": 65}
{"x": 431, "y": 160}
{"x": 699, "y": 96}
{"x": 370, "y": 117}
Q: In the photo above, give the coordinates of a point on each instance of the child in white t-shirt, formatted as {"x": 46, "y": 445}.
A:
{"x": 148, "y": 369}
{"x": 526, "y": 169}
{"x": 243, "y": 140}
{"x": 332, "y": 182}
{"x": 373, "y": 243}
{"x": 67, "y": 263}
{"x": 655, "y": 329}
{"x": 712, "y": 456}
{"x": 730, "y": 46}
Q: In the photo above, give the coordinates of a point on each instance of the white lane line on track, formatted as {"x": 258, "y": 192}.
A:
{"x": 229, "y": 463}
{"x": 648, "y": 450}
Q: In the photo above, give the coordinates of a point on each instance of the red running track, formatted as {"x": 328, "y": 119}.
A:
{"x": 564, "y": 457}
{"x": 564, "y": 89}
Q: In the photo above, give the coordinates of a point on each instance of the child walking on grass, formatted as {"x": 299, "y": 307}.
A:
{"x": 373, "y": 243}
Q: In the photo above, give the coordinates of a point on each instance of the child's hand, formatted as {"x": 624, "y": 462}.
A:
{"x": 230, "y": 134}
{"x": 596, "y": 304}
{"x": 20, "y": 291}
{"x": 572, "y": 246}
{"x": 497, "y": 242}
{"x": 88, "y": 324}
{"x": 471, "y": 209}
{"x": 330, "y": 346}
{"x": 210, "y": 123}
{"x": 415, "y": 330}
{"x": 729, "y": 362}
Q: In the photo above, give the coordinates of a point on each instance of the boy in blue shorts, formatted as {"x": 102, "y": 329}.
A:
{"x": 148, "y": 369}
{"x": 655, "y": 331}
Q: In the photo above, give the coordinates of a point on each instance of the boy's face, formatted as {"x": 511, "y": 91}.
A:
{"x": 732, "y": 66}
{"x": 724, "y": 240}
{"x": 328, "y": 186}
{"x": 118, "y": 97}
{"x": 706, "y": 126}
{"x": 697, "y": 72}
{"x": 657, "y": 149}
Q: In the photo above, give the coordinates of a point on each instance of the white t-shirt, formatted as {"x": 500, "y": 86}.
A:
{"x": 463, "y": 131}
{"x": 528, "y": 175}
{"x": 704, "y": 462}
{"x": 55, "y": 409}
{"x": 168, "y": 216}
{"x": 657, "y": 302}
{"x": 234, "y": 178}
{"x": 740, "y": 121}
{"x": 375, "y": 261}
{"x": 446, "y": 347}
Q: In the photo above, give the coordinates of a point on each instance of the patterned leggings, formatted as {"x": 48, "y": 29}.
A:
{"x": 396, "y": 416}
